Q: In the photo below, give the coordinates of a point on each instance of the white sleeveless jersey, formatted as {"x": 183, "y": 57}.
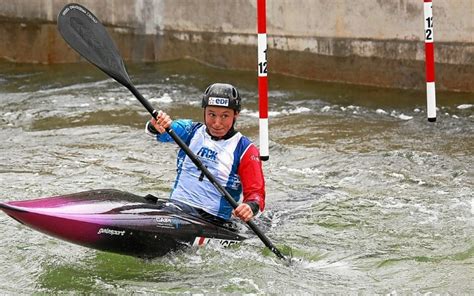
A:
{"x": 222, "y": 159}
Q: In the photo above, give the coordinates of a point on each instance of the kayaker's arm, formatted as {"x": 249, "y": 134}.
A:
{"x": 252, "y": 179}
{"x": 184, "y": 128}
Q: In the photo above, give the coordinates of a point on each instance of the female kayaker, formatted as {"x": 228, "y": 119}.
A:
{"x": 231, "y": 158}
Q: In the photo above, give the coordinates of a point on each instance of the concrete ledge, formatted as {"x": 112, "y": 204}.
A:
{"x": 319, "y": 40}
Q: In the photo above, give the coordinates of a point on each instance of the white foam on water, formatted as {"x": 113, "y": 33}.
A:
{"x": 249, "y": 113}
{"x": 238, "y": 281}
{"x": 277, "y": 94}
{"x": 298, "y": 110}
{"x": 405, "y": 117}
{"x": 165, "y": 99}
{"x": 326, "y": 264}
{"x": 303, "y": 171}
{"x": 273, "y": 113}
{"x": 325, "y": 109}
{"x": 400, "y": 115}
{"x": 75, "y": 86}
{"x": 398, "y": 176}
{"x": 465, "y": 106}
{"x": 255, "y": 114}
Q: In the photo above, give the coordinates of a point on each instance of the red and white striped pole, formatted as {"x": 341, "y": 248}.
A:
{"x": 429, "y": 61}
{"x": 262, "y": 78}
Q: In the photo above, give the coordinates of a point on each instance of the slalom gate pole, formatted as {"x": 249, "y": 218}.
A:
{"x": 262, "y": 79}
{"x": 429, "y": 61}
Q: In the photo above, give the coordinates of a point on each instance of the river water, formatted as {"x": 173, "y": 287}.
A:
{"x": 369, "y": 196}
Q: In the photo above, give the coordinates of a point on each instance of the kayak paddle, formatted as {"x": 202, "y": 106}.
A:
{"x": 86, "y": 35}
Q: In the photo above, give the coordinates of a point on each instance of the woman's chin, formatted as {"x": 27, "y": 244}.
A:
{"x": 217, "y": 134}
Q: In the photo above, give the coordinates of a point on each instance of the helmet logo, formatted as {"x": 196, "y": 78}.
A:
{"x": 215, "y": 101}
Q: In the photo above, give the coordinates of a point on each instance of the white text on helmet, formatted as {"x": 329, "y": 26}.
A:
{"x": 215, "y": 101}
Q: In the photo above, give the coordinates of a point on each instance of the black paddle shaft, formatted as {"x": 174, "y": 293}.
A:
{"x": 85, "y": 34}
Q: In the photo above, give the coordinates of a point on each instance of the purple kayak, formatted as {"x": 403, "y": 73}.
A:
{"x": 119, "y": 222}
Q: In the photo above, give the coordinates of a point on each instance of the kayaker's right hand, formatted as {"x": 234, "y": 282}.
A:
{"x": 162, "y": 122}
{"x": 244, "y": 212}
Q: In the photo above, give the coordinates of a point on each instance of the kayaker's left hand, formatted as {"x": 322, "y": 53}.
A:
{"x": 162, "y": 122}
{"x": 243, "y": 211}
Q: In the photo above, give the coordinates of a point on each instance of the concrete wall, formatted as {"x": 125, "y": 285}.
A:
{"x": 371, "y": 42}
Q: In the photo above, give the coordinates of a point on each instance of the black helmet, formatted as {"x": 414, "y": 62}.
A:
{"x": 222, "y": 95}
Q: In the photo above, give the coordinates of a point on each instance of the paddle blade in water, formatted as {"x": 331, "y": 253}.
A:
{"x": 85, "y": 34}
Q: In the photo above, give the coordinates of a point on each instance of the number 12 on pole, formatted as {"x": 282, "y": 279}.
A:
{"x": 262, "y": 78}
{"x": 429, "y": 61}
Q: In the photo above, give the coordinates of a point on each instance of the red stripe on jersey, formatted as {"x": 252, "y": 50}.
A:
{"x": 251, "y": 176}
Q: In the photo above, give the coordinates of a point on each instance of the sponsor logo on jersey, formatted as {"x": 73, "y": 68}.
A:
{"x": 215, "y": 101}
{"x": 234, "y": 182}
{"x": 255, "y": 158}
{"x": 207, "y": 153}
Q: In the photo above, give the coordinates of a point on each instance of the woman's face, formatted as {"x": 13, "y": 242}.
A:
{"x": 219, "y": 120}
